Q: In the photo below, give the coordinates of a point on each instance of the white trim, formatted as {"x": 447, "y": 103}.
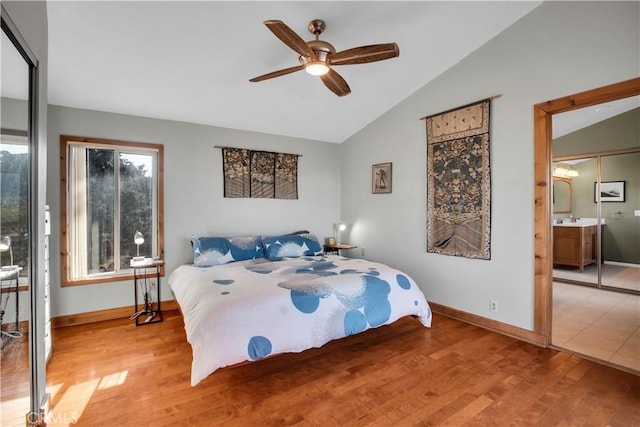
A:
{"x": 622, "y": 264}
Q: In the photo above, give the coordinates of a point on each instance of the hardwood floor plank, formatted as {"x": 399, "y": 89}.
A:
{"x": 112, "y": 373}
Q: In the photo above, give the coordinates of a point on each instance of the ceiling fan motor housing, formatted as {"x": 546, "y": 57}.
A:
{"x": 322, "y": 50}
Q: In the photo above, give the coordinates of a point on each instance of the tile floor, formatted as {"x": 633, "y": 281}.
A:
{"x": 597, "y": 323}
{"x": 612, "y": 275}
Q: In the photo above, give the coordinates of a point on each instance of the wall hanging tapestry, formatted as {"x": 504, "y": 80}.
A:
{"x": 459, "y": 182}
{"x": 259, "y": 174}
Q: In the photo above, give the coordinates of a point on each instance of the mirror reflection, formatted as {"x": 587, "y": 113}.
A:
{"x": 592, "y": 146}
{"x": 561, "y": 195}
{"x": 14, "y": 237}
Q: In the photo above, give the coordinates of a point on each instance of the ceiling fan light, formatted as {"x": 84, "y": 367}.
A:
{"x": 316, "y": 68}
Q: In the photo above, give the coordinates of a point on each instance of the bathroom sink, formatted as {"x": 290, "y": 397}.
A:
{"x": 580, "y": 222}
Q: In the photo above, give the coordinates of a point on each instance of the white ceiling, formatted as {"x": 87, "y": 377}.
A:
{"x": 192, "y": 61}
{"x": 571, "y": 121}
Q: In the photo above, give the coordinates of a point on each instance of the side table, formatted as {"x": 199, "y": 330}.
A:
{"x": 337, "y": 248}
{"x": 146, "y": 276}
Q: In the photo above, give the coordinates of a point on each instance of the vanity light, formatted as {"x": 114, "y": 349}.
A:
{"x": 565, "y": 171}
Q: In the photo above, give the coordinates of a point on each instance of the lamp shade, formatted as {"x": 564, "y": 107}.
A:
{"x": 5, "y": 243}
{"x": 338, "y": 227}
{"x": 138, "y": 239}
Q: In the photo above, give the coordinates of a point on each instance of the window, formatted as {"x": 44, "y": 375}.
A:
{"x": 14, "y": 199}
{"x": 110, "y": 191}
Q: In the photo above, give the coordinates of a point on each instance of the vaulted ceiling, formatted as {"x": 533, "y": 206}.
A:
{"x": 192, "y": 61}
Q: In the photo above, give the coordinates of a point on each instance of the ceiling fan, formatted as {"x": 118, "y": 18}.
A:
{"x": 318, "y": 57}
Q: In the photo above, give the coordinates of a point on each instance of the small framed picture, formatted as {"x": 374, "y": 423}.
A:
{"x": 610, "y": 191}
{"x": 381, "y": 178}
{"x": 330, "y": 241}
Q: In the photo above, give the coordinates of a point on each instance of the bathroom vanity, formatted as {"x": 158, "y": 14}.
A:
{"x": 575, "y": 243}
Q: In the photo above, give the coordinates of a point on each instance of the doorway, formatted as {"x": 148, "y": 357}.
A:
{"x": 543, "y": 115}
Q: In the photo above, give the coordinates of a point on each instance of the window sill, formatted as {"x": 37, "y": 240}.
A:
{"x": 122, "y": 277}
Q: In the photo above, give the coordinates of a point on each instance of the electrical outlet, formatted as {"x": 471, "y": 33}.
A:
{"x": 152, "y": 285}
{"x": 493, "y": 306}
{"x": 362, "y": 251}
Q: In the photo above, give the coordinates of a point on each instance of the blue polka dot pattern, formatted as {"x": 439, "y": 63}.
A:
{"x": 305, "y": 302}
{"x": 403, "y": 281}
{"x": 354, "y": 322}
{"x": 223, "y": 281}
{"x": 377, "y": 308}
{"x": 259, "y": 347}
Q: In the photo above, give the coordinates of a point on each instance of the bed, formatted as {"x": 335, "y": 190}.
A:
{"x": 247, "y": 298}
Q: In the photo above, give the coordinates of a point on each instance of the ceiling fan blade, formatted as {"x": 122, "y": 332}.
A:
{"x": 336, "y": 83}
{"x": 289, "y": 37}
{"x": 278, "y": 73}
{"x": 364, "y": 54}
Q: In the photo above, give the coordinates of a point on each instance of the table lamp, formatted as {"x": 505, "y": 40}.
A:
{"x": 138, "y": 239}
{"x": 340, "y": 226}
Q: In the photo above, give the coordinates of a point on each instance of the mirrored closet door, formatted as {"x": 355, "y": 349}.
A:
{"x": 15, "y": 257}
{"x": 620, "y": 209}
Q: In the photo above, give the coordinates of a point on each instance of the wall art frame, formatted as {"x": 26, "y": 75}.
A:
{"x": 381, "y": 176}
{"x": 610, "y": 191}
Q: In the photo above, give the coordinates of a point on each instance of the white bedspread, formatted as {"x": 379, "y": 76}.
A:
{"x": 248, "y": 310}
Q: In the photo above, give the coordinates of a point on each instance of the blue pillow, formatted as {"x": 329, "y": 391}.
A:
{"x": 291, "y": 246}
{"x": 209, "y": 251}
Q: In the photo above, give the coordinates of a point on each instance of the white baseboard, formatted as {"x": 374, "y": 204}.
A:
{"x": 622, "y": 264}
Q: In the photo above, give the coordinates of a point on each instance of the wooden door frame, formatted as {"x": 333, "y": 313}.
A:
{"x": 542, "y": 139}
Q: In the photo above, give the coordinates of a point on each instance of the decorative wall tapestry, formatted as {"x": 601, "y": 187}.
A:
{"x": 259, "y": 174}
{"x": 459, "y": 182}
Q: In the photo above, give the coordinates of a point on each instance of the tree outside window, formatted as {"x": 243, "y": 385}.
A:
{"x": 14, "y": 200}
{"x": 113, "y": 189}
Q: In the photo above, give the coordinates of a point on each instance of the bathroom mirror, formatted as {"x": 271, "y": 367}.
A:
{"x": 561, "y": 195}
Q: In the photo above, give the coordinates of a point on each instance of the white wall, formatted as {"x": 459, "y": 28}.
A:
{"x": 193, "y": 192}
{"x": 558, "y": 49}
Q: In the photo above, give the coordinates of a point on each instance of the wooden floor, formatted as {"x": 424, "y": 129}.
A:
{"x": 14, "y": 379}
{"x": 112, "y": 373}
